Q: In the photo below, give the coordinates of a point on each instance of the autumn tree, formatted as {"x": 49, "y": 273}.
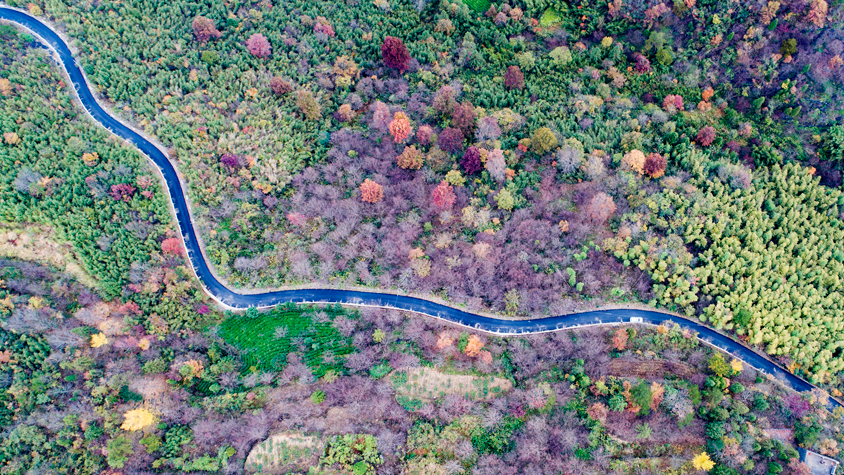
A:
{"x": 474, "y": 345}
{"x": 543, "y": 140}
{"x": 706, "y": 136}
{"x": 410, "y": 158}
{"x": 443, "y": 196}
{"x": 634, "y": 160}
{"x": 505, "y": 200}
{"x": 600, "y": 208}
{"x": 137, "y": 419}
{"x": 495, "y": 164}
{"x": 471, "y": 161}
{"x": 400, "y": 127}
{"x": 122, "y": 192}
{"x": 395, "y": 54}
{"x": 464, "y": 117}
{"x": 344, "y": 113}
{"x": 308, "y": 104}
{"x": 171, "y": 246}
{"x": 451, "y": 140}
{"x": 280, "y": 86}
{"x": 514, "y": 78}
{"x": 371, "y": 192}
{"x": 204, "y": 29}
{"x": 258, "y": 45}
{"x": 619, "y": 339}
{"x": 424, "y": 134}
{"x": 655, "y": 165}
{"x": 598, "y": 411}
{"x": 445, "y": 100}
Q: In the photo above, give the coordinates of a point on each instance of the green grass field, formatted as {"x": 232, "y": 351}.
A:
{"x": 265, "y": 339}
{"x": 478, "y": 6}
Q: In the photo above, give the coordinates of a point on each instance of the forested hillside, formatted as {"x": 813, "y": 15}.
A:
{"x": 519, "y": 158}
{"x": 523, "y": 158}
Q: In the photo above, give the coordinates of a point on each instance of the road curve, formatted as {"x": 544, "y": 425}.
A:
{"x": 234, "y": 300}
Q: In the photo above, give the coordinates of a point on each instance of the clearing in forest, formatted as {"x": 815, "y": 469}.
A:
{"x": 285, "y": 449}
{"x": 427, "y": 384}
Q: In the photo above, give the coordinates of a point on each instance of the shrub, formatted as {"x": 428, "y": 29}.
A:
{"x": 318, "y": 396}
{"x": 356, "y": 451}
{"x": 119, "y": 450}
{"x": 641, "y": 396}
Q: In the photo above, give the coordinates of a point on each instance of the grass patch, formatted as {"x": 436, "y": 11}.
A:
{"x": 478, "y": 6}
{"x": 550, "y": 18}
{"x": 427, "y": 384}
{"x": 265, "y": 339}
{"x": 285, "y": 450}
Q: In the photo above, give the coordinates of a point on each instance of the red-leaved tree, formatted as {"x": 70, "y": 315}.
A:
{"x": 395, "y": 54}
{"x": 655, "y": 165}
{"x": 514, "y": 78}
{"x": 451, "y": 140}
{"x": 122, "y": 191}
{"x": 400, "y": 127}
{"x": 443, "y": 196}
{"x": 204, "y": 29}
{"x": 706, "y": 136}
{"x": 471, "y": 161}
{"x": 258, "y": 46}
{"x": 171, "y": 246}
{"x": 371, "y": 192}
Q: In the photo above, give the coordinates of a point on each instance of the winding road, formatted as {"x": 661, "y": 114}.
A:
{"x": 234, "y": 300}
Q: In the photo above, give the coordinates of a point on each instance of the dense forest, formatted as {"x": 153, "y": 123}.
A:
{"x": 526, "y": 159}
{"x": 87, "y": 387}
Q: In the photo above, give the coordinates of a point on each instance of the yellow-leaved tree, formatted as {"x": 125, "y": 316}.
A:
{"x": 703, "y": 462}
{"x": 137, "y": 419}
{"x": 98, "y": 340}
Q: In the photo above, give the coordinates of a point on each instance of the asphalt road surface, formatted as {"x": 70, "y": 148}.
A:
{"x": 235, "y": 300}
